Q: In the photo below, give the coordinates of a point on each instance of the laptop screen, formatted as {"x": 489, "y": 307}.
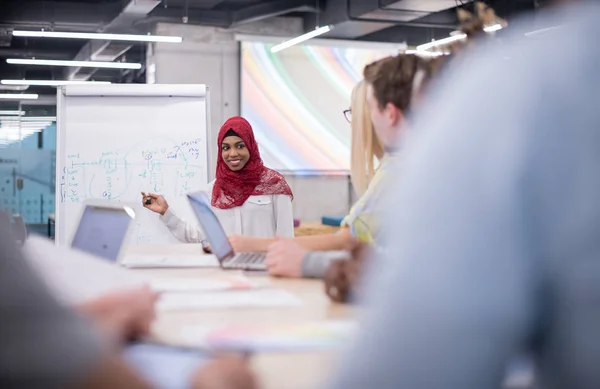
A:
{"x": 101, "y": 231}
{"x": 211, "y": 226}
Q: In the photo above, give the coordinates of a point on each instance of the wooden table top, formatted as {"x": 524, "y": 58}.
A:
{"x": 276, "y": 370}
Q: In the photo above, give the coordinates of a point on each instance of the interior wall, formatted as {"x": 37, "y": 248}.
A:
{"x": 317, "y": 196}
{"x": 211, "y": 56}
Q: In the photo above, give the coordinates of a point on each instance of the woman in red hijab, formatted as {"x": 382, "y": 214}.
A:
{"x": 248, "y": 198}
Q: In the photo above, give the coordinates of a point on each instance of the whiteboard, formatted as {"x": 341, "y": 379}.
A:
{"x": 115, "y": 141}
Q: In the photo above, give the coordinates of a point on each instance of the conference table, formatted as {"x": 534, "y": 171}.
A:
{"x": 276, "y": 370}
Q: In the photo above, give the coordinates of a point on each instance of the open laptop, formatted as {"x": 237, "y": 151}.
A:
{"x": 103, "y": 229}
{"x": 217, "y": 238}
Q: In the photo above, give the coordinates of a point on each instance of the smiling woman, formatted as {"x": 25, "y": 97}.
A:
{"x": 234, "y": 151}
{"x": 248, "y": 198}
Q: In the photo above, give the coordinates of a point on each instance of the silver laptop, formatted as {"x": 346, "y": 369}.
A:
{"x": 103, "y": 229}
{"x": 217, "y": 238}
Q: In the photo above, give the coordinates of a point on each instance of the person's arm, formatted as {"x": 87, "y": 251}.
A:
{"x": 343, "y": 240}
{"x": 284, "y": 216}
{"x": 182, "y": 230}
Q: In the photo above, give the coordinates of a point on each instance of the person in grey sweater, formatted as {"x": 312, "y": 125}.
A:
{"x": 496, "y": 252}
{"x": 287, "y": 258}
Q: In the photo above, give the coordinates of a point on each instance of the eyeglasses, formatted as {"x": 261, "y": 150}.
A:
{"x": 348, "y": 115}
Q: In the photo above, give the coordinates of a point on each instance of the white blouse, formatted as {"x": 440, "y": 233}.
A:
{"x": 260, "y": 216}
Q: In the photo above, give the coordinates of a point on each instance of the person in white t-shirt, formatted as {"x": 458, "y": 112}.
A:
{"x": 248, "y": 198}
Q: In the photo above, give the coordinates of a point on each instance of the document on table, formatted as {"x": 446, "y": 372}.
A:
{"x": 254, "y": 298}
{"x": 201, "y": 284}
{"x": 308, "y": 336}
{"x": 170, "y": 261}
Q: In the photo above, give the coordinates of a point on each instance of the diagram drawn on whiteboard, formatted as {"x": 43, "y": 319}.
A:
{"x": 157, "y": 165}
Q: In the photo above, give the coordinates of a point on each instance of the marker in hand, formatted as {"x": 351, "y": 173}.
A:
{"x": 155, "y": 203}
{"x": 147, "y": 198}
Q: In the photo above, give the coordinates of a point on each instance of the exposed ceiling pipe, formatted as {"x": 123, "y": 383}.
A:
{"x": 386, "y": 9}
{"x": 134, "y": 11}
{"x": 229, "y": 19}
{"x": 357, "y": 18}
{"x": 63, "y": 16}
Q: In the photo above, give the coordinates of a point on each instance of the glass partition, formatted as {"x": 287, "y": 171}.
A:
{"x": 27, "y": 161}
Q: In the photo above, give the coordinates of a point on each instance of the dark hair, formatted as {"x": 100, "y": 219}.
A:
{"x": 393, "y": 78}
{"x": 230, "y": 132}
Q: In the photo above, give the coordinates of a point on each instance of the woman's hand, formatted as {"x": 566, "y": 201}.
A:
{"x": 155, "y": 203}
{"x": 284, "y": 258}
{"x": 125, "y": 314}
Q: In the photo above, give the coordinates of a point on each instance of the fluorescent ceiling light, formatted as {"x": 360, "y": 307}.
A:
{"x": 27, "y": 119}
{"x": 301, "y": 38}
{"x": 11, "y": 132}
{"x": 454, "y": 38}
{"x": 445, "y": 41}
{"x": 12, "y": 113}
{"x": 29, "y": 126}
{"x": 493, "y": 28}
{"x": 23, "y": 129}
{"x": 425, "y": 53}
{"x": 12, "y": 119}
{"x": 81, "y": 64}
{"x": 26, "y": 124}
{"x": 13, "y": 88}
{"x": 50, "y": 82}
{"x": 105, "y": 37}
{"x": 18, "y": 96}
{"x": 36, "y": 118}
{"x": 542, "y": 31}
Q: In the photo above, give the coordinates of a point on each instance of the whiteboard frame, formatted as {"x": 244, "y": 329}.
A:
{"x": 124, "y": 90}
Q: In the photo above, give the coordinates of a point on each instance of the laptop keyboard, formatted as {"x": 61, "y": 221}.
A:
{"x": 248, "y": 258}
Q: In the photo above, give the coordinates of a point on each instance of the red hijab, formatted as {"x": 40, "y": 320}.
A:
{"x": 232, "y": 189}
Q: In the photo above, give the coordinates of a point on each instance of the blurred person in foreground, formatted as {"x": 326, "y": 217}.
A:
{"x": 494, "y": 245}
{"x": 44, "y": 344}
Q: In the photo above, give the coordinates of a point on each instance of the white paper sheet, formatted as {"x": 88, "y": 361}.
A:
{"x": 202, "y": 285}
{"x": 304, "y": 336}
{"x": 75, "y": 276}
{"x": 256, "y": 298}
{"x": 170, "y": 261}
